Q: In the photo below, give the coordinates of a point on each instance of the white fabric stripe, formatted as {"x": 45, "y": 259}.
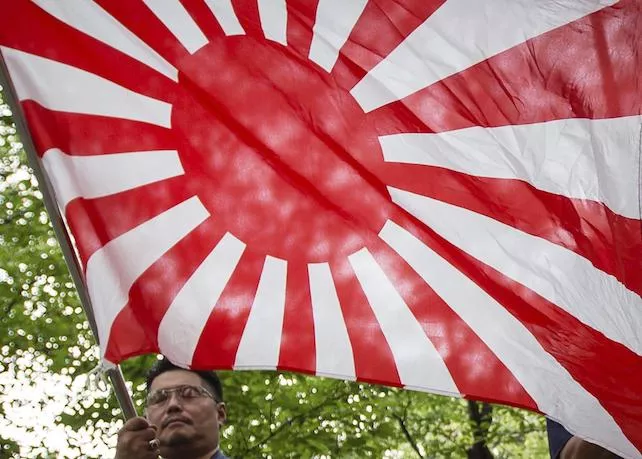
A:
{"x": 547, "y": 382}
{"x": 551, "y": 386}
{"x": 179, "y": 22}
{"x": 274, "y": 20}
{"x": 460, "y": 34}
{"x": 418, "y": 362}
{"x": 89, "y": 18}
{"x": 261, "y": 341}
{"x": 333, "y": 25}
{"x": 577, "y": 158}
{"x": 95, "y": 176}
{"x": 226, "y": 17}
{"x": 334, "y": 351}
{"x": 65, "y": 88}
{"x": 183, "y": 323}
{"x": 561, "y": 276}
{"x": 113, "y": 269}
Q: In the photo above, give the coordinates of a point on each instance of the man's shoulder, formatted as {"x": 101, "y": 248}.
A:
{"x": 219, "y": 455}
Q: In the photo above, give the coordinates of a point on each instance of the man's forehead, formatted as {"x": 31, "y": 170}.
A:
{"x": 173, "y": 378}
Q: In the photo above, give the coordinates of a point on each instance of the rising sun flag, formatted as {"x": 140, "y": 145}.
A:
{"x": 438, "y": 195}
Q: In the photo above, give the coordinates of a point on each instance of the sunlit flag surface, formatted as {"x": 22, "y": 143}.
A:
{"x": 438, "y": 195}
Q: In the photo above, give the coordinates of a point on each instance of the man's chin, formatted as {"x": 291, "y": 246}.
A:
{"x": 176, "y": 435}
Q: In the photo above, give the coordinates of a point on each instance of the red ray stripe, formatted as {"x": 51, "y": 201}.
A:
{"x": 95, "y": 222}
{"x": 222, "y": 334}
{"x": 86, "y": 135}
{"x": 34, "y": 31}
{"x": 373, "y": 358}
{"x": 611, "y": 242}
{"x": 608, "y": 370}
{"x": 204, "y": 17}
{"x": 588, "y": 69}
{"x": 247, "y": 12}
{"x": 301, "y": 18}
{"x": 138, "y": 18}
{"x": 298, "y": 352}
{"x": 476, "y": 370}
{"x": 382, "y": 26}
{"x": 136, "y": 327}
{"x": 130, "y": 336}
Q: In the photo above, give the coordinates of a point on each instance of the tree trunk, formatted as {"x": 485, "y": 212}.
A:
{"x": 480, "y": 416}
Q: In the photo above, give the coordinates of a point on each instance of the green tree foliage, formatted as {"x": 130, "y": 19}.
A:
{"x": 47, "y": 350}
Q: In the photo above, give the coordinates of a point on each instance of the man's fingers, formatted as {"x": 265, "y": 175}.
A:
{"x": 147, "y": 434}
{"x": 137, "y": 423}
{"x": 137, "y": 440}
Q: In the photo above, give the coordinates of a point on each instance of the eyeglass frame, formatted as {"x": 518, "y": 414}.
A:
{"x": 203, "y": 392}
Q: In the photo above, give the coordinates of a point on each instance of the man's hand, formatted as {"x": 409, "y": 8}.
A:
{"x": 134, "y": 440}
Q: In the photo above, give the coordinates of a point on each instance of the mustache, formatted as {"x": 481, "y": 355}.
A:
{"x": 167, "y": 421}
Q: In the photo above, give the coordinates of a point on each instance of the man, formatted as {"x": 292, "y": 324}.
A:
{"x": 185, "y": 411}
{"x": 563, "y": 445}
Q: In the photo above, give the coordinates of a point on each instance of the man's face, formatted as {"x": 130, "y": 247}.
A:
{"x": 185, "y": 427}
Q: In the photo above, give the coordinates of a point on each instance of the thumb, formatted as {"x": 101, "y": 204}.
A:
{"x": 137, "y": 423}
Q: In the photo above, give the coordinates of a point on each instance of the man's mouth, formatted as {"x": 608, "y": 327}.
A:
{"x": 174, "y": 421}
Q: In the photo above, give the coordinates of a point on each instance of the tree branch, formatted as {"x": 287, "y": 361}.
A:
{"x": 295, "y": 419}
{"x": 408, "y": 436}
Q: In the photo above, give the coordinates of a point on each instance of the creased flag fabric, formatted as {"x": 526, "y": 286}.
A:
{"x": 442, "y": 195}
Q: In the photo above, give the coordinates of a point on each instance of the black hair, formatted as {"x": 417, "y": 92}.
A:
{"x": 210, "y": 378}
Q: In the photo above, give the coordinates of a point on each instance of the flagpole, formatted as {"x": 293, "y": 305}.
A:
{"x": 114, "y": 374}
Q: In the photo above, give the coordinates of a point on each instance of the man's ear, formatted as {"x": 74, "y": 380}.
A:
{"x": 221, "y": 411}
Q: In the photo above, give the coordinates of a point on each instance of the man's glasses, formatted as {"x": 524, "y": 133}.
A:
{"x": 185, "y": 393}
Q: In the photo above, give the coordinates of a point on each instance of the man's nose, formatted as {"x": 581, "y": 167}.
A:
{"x": 174, "y": 400}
